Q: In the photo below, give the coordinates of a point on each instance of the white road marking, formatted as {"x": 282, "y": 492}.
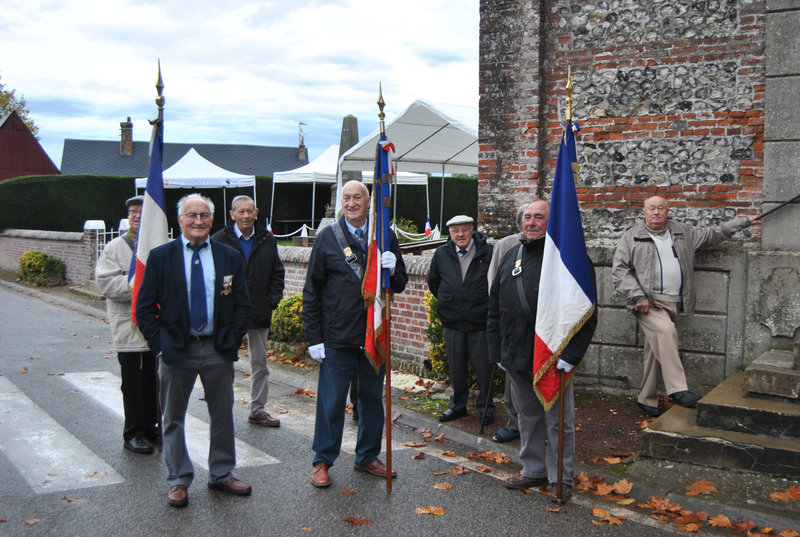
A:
{"x": 104, "y": 387}
{"x": 43, "y": 452}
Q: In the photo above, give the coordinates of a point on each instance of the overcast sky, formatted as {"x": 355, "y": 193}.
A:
{"x": 234, "y": 72}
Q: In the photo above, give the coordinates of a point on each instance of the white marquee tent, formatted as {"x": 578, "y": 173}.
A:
{"x": 427, "y": 139}
{"x": 323, "y": 170}
{"x": 194, "y": 171}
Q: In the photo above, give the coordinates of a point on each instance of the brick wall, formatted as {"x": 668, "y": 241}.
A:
{"x": 669, "y": 95}
{"x": 78, "y": 251}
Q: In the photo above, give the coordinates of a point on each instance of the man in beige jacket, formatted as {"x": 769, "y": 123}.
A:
{"x": 138, "y": 366}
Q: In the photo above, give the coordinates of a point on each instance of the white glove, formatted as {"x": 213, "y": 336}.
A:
{"x": 317, "y": 352}
{"x": 388, "y": 261}
{"x": 565, "y": 366}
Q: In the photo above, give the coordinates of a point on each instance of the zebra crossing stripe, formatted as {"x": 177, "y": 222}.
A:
{"x": 104, "y": 387}
{"x": 43, "y": 452}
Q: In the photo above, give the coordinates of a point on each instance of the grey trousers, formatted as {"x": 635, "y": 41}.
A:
{"x": 259, "y": 372}
{"x": 513, "y": 418}
{"x": 216, "y": 374}
{"x": 661, "y": 356}
{"x": 539, "y": 430}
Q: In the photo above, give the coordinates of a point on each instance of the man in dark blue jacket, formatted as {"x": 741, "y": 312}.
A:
{"x": 265, "y": 274}
{"x": 457, "y": 278}
{"x": 193, "y": 308}
{"x": 335, "y": 325}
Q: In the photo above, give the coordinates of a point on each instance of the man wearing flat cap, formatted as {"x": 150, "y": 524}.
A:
{"x": 137, "y": 364}
{"x": 457, "y": 278}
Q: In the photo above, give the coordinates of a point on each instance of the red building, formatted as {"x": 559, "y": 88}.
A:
{"x": 20, "y": 152}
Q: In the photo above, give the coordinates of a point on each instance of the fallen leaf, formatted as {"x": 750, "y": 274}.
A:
{"x": 2, "y": 519}
{"x": 700, "y": 487}
{"x": 737, "y": 389}
{"x": 613, "y": 460}
{"x": 605, "y": 518}
{"x": 623, "y": 487}
{"x": 419, "y": 456}
{"x": 437, "y": 472}
{"x": 626, "y": 501}
{"x": 554, "y": 509}
{"x": 603, "y": 489}
{"x": 743, "y": 526}
{"x": 31, "y": 521}
{"x": 403, "y": 397}
{"x": 789, "y": 533}
{"x": 357, "y": 521}
{"x": 526, "y": 491}
{"x": 305, "y": 528}
{"x": 448, "y": 453}
{"x": 97, "y": 474}
{"x": 70, "y": 499}
{"x": 24, "y": 369}
{"x": 719, "y": 521}
{"x": 349, "y": 492}
{"x": 781, "y": 496}
{"x": 396, "y": 415}
{"x": 690, "y": 527}
{"x": 689, "y": 517}
{"x": 596, "y": 459}
{"x": 473, "y": 456}
{"x": 443, "y": 486}
{"x": 430, "y": 510}
{"x": 412, "y": 443}
{"x": 459, "y": 470}
{"x": 795, "y": 492}
{"x": 482, "y": 468}
{"x": 766, "y": 531}
{"x": 408, "y": 389}
{"x": 440, "y": 438}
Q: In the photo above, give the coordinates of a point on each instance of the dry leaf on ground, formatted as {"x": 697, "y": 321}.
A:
{"x": 605, "y": 518}
{"x": 430, "y": 510}
{"x": 789, "y": 533}
{"x": 443, "y": 486}
{"x": 448, "y": 453}
{"x": 348, "y": 492}
{"x": 482, "y": 468}
{"x": 440, "y": 438}
{"x": 412, "y": 443}
{"x": 419, "y": 456}
{"x": 700, "y": 487}
{"x": 357, "y": 521}
{"x": 719, "y": 521}
{"x": 623, "y": 487}
{"x": 613, "y": 460}
{"x": 781, "y": 496}
{"x": 458, "y": 470}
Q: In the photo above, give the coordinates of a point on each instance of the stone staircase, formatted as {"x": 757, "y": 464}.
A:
{"x": 751, "y": 421}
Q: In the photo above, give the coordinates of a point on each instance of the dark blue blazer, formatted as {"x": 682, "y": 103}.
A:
{"x": 162, "y": 307}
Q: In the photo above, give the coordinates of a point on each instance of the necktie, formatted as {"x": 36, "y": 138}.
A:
{"x": 359, "y": 233}
{"x": 462, "y": 252}
{"x": 198, "y": 314}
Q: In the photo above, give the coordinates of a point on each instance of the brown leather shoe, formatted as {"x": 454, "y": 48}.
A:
{"x": 232, "y": 486}
{"x": 178, "y": 496}
{"x": 566, "y": 494}
{"x": 263, "y": 418}
{"x": 376, "y": 467}
{"x": 319, "y": 475}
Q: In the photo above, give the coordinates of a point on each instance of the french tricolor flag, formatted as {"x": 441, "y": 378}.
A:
{"x": 566, "y": 272}
{"x": 153, "y": 224}
{"x": 427, "y": 226}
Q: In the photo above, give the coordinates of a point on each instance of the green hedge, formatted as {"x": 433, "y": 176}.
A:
{"x": 65, "y": 202}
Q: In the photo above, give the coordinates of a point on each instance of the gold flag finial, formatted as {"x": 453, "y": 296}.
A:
{"x": 381, "y": 104}
{"x": 569, "y": 93}
{"x": 160, "y": 100}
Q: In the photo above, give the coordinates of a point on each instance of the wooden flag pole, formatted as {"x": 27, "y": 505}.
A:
{"x": 560, "y": 482}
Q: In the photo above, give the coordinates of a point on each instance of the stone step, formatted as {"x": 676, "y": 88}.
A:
{"x": 772, "y": 374}
{"x": 676, "y": 436}
{"x": 730, "y": 407}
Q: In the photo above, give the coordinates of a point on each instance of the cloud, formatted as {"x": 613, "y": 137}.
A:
{"x": 242, "y": 73}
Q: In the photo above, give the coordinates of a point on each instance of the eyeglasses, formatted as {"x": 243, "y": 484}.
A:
{"x": 134, "y": 211}
{"x": 197, "y": 216}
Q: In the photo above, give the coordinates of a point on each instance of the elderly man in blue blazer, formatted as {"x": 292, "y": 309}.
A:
{"x": 193, "y": 308}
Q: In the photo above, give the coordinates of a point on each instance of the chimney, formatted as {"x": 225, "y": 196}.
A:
{"x": 126, "y": 139}
{"x": 302, "y": 153}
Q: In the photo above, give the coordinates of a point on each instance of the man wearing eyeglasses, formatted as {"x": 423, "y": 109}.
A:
{"x": 137, "y": 365}
{"x": 193, "y": 308}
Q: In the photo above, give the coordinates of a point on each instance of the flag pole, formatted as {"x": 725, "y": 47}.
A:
{"x": 160, "y": 101}
{"x": 387, "y": 315}
{"x": 562, "y": 377}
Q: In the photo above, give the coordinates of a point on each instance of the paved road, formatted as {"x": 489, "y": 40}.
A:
{"x": 64, "y": 470}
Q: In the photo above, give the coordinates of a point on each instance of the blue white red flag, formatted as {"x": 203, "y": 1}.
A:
{"x": 153, "y": 224}
{"x": 566, "y": 273}
{"x": 427, "y": 226}
{"x": 269, "y": 226}
{"x": 376, "y": 278}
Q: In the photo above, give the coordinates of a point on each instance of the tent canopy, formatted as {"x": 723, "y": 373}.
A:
{"x": 427, "y": 138}
{"x": 323, "y": 170}
{"x": 194, "y": 171}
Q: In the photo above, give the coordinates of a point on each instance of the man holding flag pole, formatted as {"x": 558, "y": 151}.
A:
{"x": 540, "y": 337}
{"x": 354, "y": 267}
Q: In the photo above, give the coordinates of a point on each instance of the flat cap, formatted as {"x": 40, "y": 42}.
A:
{"x": 460, "y": 219}
{"x": 136, "y": 200}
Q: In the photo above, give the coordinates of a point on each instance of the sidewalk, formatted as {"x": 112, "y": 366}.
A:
{"x": 742, "y": 496}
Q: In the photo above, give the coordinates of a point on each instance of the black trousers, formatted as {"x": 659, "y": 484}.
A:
{"x": 462, "y": 347}
{"x": 139, "y": 371}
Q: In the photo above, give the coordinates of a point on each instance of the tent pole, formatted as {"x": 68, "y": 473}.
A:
{"x": 225, "y": 205}
{"x": 441, "y": 202}
{"x": 427, "y": 199}
{"x": 272, "y": 201}
{"x": 313, "y": 201}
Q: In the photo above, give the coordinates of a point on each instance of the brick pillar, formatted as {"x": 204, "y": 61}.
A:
{"x": 126, "y": 137}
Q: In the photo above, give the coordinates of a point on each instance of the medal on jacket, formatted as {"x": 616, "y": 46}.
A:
{"x": 227, "y": 283}
{"x": 517, "y": 268}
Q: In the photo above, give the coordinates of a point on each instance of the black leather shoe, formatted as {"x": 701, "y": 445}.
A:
{"x": 506, "y": 434}
{"x": 685, "y": 398}
{"x": 652, "y": 411}
{"x": 139, "y": 444}
{"x": 450, "y": 414}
